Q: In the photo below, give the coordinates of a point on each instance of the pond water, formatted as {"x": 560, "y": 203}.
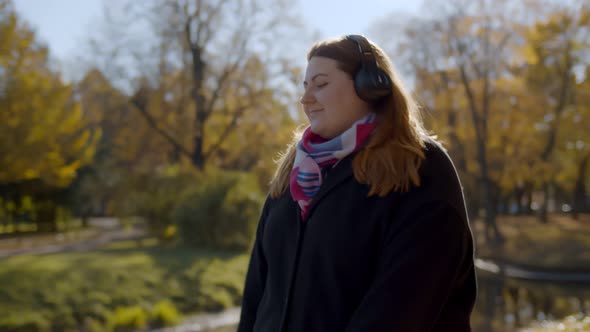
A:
{"x": 508, "y": 304}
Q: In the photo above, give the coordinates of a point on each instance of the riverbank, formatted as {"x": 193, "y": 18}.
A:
{"x": 562, "y": 245}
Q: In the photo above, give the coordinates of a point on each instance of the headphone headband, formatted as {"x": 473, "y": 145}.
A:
{"x": 362, "y": 44}
{"x": 371, "y": 82}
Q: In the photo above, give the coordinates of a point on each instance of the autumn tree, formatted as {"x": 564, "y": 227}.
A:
{"x": 555, "y": 47}
{"x": 497, "y": 81}
{"x": 127, "y": 145}
{"x": 44, "y": 139}
{"x": 218, "y": 66}
{"x": 573, "y": 148}
{"x": 458, "y": 56}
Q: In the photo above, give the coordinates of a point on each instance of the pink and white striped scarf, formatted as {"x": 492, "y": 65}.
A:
{"x": 315, "y": 153}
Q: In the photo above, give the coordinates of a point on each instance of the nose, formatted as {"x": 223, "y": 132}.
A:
{"x": 307, "y": 97}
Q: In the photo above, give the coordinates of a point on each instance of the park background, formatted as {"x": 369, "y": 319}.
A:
{"x": 137, "y": 140}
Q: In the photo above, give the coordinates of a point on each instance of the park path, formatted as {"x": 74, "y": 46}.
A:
{"x": 224, "y": 321}
{"x": 108, "y": 229}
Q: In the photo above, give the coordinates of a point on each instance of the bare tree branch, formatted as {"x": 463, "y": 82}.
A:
{"x": 237, "y": 114}
{"x": 229, "y": 70}
{"x": 208, "y": 25}
{"x": 140, "y": 106}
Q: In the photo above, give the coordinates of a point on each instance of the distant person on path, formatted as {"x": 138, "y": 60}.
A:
{"x": 365, "y": 226}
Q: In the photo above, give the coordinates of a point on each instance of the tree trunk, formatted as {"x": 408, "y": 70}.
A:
{"x": 457, "y": 150}
{"x": 491, "y": 204}
{"x": 528, "y": 208}
{"x": 85, "y": 218}
{"x": 562, "y": 99}
{"x": 480, "y": 125}
{"x": 201, "y": 114}
{"x": 579, "y": 194}
{"x": 519, "y": 194}
{"x": 542, "y": 214}
{"x": 506, "y": 203}
{"x": 47, "y": 217}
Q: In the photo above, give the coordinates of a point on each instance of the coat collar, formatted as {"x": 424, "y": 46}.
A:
{"x": 337, "y": 175}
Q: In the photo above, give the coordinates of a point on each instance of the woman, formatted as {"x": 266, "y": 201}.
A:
{"x": 365, "y": 227}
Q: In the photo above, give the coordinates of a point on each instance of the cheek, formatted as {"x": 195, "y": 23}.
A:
{"x": 330, "y": 97}
{"x": 340, "y": 100}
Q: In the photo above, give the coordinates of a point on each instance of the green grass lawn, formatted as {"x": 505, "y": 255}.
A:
{"x": 117, "y": 288}
{"x": 562, "y": 244}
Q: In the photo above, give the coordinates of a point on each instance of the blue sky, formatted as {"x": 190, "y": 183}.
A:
{"x": 66, "y": 24}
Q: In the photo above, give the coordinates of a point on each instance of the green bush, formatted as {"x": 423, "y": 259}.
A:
{"x": 164, "y": 314}
{"x": 24, "y": 322}
{"x": 221, "y": 213}
{"x": 153, "y": 198}
{"x": 128, "y": 319}
{"x": 63, "y": 320}
{"x": 95, "y": 311}
{"x": 92, "y": 325}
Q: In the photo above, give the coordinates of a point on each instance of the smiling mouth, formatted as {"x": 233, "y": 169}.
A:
{"x": 315, "y": 111}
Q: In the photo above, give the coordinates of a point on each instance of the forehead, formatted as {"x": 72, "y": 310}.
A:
{"x": 322, "y": 65}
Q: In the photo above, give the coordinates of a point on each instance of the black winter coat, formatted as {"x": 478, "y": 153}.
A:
{"x": 400, "y": 263}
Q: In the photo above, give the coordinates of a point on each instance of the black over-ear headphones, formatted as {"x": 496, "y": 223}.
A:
{"x": 370, "y": 82}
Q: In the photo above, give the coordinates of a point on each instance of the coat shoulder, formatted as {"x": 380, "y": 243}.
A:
{"x": 439, "y": 179}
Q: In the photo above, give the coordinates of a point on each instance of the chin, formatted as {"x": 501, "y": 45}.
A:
{"x": 319, "y": 131}
{"x": 324, "y": 135}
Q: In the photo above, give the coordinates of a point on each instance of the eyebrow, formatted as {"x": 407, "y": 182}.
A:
{"x": 314, "y": 77}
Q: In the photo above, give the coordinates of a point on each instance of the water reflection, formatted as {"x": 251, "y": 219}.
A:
{"x": 506, "y": 304}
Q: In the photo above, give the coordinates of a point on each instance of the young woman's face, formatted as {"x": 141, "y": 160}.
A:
{"x": 330, "y": 101}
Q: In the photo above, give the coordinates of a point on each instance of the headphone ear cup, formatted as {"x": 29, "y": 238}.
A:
{"x": 372, "y": 85}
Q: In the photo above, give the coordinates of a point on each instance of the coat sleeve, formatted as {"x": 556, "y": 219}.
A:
{"x": 255, "y": 277}
{"x": 419, "y": 263}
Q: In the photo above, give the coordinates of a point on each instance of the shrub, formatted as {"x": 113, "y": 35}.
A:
{"x": 164, "y": 314}
{"x": 95, "y": 311}
{"x": 221, "y": 213}
{"x": 92, "y": 325}
{"x": 63, "y": 320}
{"x": 153, "y": 198}
{"x": 128, "y": 319}
{"x": 24, "y": 322}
